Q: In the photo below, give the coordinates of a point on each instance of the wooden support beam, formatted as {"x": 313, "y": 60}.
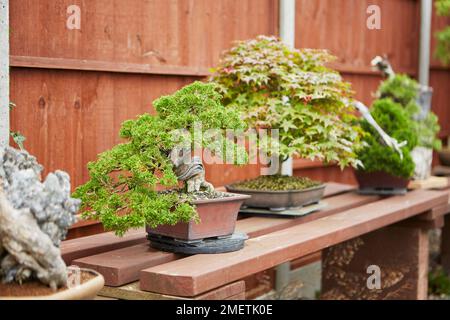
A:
{"x": 105, "y": 66}
{"x": 401, "y": 254}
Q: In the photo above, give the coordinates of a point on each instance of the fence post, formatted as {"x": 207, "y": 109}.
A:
{"x": 4, "y": 73}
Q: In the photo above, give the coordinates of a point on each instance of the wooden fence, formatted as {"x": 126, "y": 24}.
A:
{"x": 73, "y": 88}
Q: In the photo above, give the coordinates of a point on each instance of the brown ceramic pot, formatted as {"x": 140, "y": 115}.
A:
{"x": 380, "y": 180}
{"x": 217, "y": 218}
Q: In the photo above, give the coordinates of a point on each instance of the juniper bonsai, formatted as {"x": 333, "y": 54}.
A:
{"x": 123, "y": 188}
{"x": 395, "y": 121}
{"x": 275, "y": 86}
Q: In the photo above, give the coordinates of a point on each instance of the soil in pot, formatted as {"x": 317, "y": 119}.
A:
{"x": 380, "y": 182}
{"x": 36, "y": 289}
{"x": 279, "y": 192}
{"x": 217, "y": 212}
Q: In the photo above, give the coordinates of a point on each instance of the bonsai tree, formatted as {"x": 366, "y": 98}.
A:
{"x": 443, "y": 36}
{"x": 404, "y": 90}
{"x": 123, "y": 188}
{"x": 376, "y": 156}
{"x": 275, "y": 86}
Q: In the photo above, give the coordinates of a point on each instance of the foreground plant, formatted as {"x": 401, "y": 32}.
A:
{"x": 275, "y": 86}
{"x": 123, "y": 188}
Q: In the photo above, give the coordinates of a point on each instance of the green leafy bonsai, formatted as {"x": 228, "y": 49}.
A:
{"x": 404, "y": 90}
{"x": 123, "y": 188}
{"x": 396, "y": 122}
{"x": 443, "y": 36}
{"x": 275, "y": 86}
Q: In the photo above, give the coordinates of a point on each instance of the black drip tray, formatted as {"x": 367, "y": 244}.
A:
{"x": 230, "y": 243}
{"x": 383, "y": 191}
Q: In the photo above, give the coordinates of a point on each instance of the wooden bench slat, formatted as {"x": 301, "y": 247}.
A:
{"x": 123, "y": 265}
{"x": 194, "y": 275}
{"x": 335, "y": 188}
{"x": 232, "y": 291}
{"x": 90, "y": 245}
{"x": 256, "y": 226}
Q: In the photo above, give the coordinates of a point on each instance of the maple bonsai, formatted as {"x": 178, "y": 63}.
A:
{"x": 275, "y": 86}
{"x": 123, "y": 188}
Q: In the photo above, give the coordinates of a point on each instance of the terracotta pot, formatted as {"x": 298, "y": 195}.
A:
{"x": 280, "y": 199}
{"x": 444, "y": 157}
{"x": 217, "y": 218}
{"x": 85, "y": 291}
{"x": 380, "y": 180}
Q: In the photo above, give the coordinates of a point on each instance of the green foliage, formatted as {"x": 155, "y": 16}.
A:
{"x": 443, "y": 37}
{"x": 403, "y": 90}
{"x": 17, "y": 137}
{"x": 438, "y": 282}
{"x": 395, "y": 121}
{"x": 274, "y": 86}
{"x": 122, "y": 190}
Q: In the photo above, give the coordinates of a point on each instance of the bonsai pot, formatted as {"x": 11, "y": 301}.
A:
{"x": 444, "y": 157}
{"x": 91, "y": 283}
{"x": 278, "y": 200}
{"x": 217, "y": 219}
{"x": 380, "y": 180}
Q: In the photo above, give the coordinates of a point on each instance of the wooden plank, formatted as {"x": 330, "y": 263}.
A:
{"x": 123, "y": 265}
{"x": 335, "y": 188}
{"x": 257, "y": 226}
{"x": 235, "y": 290}
{"x": 432, "y": 182}
{"x": 105, "y": 66}
{"x": 200, "y": 273}
{"x": 87, "y": 246}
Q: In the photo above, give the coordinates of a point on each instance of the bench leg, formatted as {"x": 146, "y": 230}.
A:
{"x": 390, "y": 263}
{"x": 445, "y": 245}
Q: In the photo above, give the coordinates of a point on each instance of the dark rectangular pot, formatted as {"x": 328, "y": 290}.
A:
{"x": 217, "y": 218}
{"x": 380, "y": 180}
{"x": 280, "y": 199}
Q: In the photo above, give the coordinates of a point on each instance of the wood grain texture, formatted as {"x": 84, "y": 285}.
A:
{"x": 403, "y": 267}
{"x": 87, "y": 246}
{"x": 196, "y": 274}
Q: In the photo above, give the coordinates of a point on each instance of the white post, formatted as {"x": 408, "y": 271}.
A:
{"x": 4, "y": 73}
{"x": 287, "y": 35}
{"x": 426, "y": 7}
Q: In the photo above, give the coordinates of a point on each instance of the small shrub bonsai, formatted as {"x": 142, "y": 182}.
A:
{"x": 123, "y": 188}
{"x": 275, "y": 86}
{"x": 396, "y": 122}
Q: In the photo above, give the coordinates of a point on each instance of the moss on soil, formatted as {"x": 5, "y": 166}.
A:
{"x": 277, "y": 183}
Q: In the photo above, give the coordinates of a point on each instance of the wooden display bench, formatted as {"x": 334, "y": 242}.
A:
{"x": 368, "y": 224}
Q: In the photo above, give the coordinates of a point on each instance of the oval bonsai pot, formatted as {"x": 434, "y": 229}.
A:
{"x": 217, "y": 218}
{"x": 280, "y": 199}
{"x": 444, "y": 156}
{"x": 84, "y": 291}
{"x": 380, "y": 180}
